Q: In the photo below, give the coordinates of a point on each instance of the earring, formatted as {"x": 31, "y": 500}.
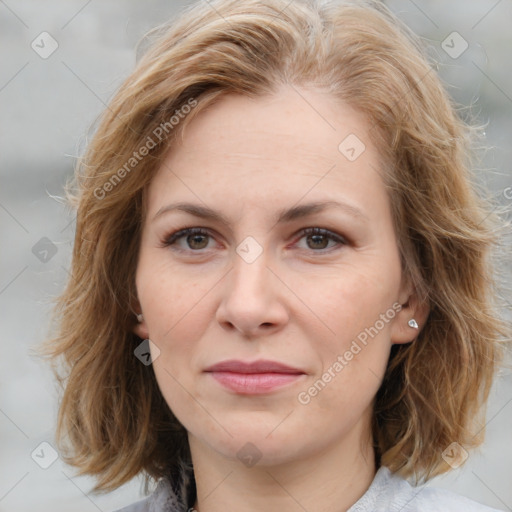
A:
{"x": 140, "y": 317}
{"x": 412, "y": 323}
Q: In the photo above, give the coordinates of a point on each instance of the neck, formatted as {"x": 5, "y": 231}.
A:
{"x": 331, "y": 481}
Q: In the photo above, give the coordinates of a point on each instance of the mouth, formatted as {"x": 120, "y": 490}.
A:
{"x": 257, "y": 377}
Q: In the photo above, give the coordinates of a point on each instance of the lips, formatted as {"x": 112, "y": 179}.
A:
{"x": 255, "y": 377}
{"x": 262, "y": 366}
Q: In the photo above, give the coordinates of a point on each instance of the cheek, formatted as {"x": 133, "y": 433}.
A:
{"x": 353, "y": 298}
{"x": 353, "y": 358}
{"x": 357, "y": 306}
{"x": 173, "y": 301}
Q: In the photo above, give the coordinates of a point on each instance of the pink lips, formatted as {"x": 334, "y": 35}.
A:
{"x": 253, "y": 378}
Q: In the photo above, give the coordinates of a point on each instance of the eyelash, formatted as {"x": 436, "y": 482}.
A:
{"x": 177, "y": 235}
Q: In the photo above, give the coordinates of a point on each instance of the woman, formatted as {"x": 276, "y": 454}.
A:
{"x": 280, "y": 294}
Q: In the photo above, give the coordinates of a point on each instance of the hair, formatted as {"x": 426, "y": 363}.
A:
{"x": 112, "y": 412}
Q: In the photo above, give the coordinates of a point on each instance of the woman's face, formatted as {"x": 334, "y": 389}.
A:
{"x": 251, "y": 286}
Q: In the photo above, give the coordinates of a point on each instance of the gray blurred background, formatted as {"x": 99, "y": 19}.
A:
{"x": 48, "y": 102}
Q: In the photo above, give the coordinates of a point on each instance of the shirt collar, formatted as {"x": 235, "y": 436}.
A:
{"x": 179, "y": 494}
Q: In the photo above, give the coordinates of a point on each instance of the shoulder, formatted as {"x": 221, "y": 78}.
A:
{"x": 389, "y": 491}
{"x": 139, "y": 506}
{"x": 161, "y": 499}
{"x": 431, "y": 496}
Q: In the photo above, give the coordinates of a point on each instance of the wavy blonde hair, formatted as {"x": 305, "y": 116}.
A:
{"x": 113, "y": 421}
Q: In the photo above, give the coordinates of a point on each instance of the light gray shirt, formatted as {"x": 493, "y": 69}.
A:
{"x": 387, "y": 493}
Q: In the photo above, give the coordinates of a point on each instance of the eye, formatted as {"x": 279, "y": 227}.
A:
{"x": 319, "y": 238}
{"x": 196, "y": 239}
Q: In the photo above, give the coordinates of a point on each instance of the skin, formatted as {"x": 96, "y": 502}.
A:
{"x": 301, "y": 302}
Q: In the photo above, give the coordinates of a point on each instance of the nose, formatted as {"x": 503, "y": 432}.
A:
{"x": 253, "y": 299}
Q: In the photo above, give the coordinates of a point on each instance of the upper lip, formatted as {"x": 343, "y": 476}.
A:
{"x": 261, "y": 366}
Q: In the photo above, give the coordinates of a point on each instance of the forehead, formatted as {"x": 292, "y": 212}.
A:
{"x": 293, "y": 143}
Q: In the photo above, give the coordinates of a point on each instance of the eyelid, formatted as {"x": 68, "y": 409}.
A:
{"x": 176, "y": 235}
{"x": 315, "y": 230}
{"x": 169, "y": 240}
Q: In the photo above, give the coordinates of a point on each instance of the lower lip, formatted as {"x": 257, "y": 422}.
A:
{"x": 254, "y": 383}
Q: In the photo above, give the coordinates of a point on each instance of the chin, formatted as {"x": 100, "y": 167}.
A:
{"x": 253, "y": 445}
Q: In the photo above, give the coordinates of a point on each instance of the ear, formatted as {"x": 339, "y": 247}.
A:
{"x": 411, "y": 308}
{"x": 140, "y": 328}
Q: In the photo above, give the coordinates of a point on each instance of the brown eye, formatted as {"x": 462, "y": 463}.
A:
{"x": 318, "y": 239}
{"x": 196, "y": 239}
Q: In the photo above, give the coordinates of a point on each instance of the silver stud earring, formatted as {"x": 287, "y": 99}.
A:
{"x": 412, "y": 323}
{"x": 140, "y": 317}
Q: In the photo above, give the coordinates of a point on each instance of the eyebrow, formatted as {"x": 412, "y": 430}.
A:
{"x": 283, "y": 216}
